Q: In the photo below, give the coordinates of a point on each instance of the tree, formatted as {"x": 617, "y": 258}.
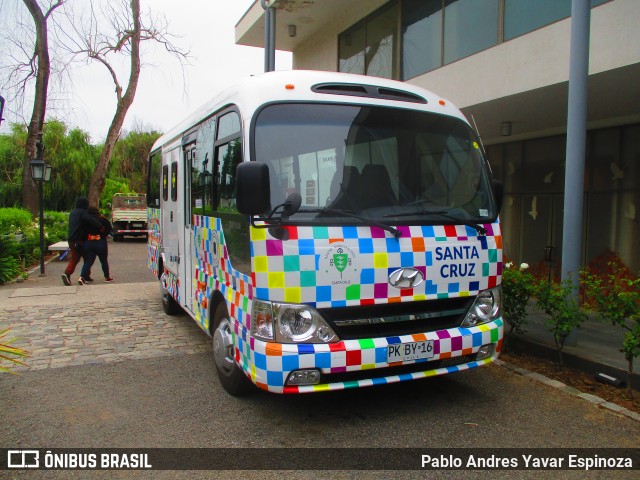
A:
{"x": 129, "y": 158}
{"x": 40, "y": 68}
{"x": 128, "y": 31}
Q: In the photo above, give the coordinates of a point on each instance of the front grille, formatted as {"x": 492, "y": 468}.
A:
{"x": 395, "y": 319}
{"x": 419, "y": 366}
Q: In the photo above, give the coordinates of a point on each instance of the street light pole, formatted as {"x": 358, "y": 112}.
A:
{"x": 41, "y": 202}
{"x": 40, "y": 173}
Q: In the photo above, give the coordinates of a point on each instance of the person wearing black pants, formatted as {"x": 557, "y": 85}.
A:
{"x": 96, "y": 246}
{"x": 79, "y": 221}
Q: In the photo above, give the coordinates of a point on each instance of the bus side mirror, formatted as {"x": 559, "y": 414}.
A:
{"x": 498, "y": 193}
{"x": 253, "y": 191}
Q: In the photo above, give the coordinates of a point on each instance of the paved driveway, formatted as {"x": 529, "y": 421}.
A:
{"x": 109, "y": 369}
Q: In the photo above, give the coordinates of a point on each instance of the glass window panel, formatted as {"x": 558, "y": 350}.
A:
{"x": 511, "y": 225}
{"x": 174, "y": 181}
{"x": 544, "y": 164}
{"x": 421, "y": 36}
{"x": 154, "y": 181}
{"x": 513, "y": 167}
{"x": 165, "y": 183}
{"x": 469, "y": 27}
{"x": 229, "y": 124}
{"x": 629, "y": 166}
{"x": 524, "y": 16}
{"x": 601, "y": 232}
{"x": 380, "y": 50}
{"x": 537, "y": 216}
{"x": 629, "y": 229}
{"x": 202, "y": 170}
{"x": 228, "y": 157}
{"x": 351, "y": 49}
{"x": 605, "y": 169}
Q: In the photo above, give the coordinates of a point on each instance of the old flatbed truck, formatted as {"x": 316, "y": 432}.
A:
{"x": 129, "y": 215}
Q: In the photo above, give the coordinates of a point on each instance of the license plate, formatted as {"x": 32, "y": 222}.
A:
{"x": 402, "y": 352}
{"x": 136, "y": 225}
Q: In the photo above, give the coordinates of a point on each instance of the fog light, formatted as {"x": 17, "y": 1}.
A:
{"x": 304, "y": 377}
{"x": 485, "y": 351}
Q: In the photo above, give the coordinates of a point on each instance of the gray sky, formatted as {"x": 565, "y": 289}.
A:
{"x": 164, "y": 97}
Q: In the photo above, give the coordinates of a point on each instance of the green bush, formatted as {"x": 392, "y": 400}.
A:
{"x": 14, "y": 220}
{"x": 616, "y": 298}
{"x": 517, "y": 287}
{"x": 10, "y": 266}
{"x": 56, "y": 226}
{"x": 563, "y": 307}
{"x": 21, "y": 238}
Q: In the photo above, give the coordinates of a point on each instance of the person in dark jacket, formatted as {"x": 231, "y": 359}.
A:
{"x": 79, "y": 220}
{"x": 94, "y": 246}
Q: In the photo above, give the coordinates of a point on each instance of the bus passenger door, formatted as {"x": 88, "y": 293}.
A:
{"x": 171, "y": 213}
{"x": 189, "y": 256}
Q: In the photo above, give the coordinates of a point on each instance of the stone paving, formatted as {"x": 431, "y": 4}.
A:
{"x": 97, "y": 325}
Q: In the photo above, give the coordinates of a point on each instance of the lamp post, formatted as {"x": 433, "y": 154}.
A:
{"x": 40, "y": 172}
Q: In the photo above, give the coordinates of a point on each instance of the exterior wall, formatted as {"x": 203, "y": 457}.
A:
{"x": 532, "y": 61}
{"x": 320, "y": 52}
{"x": 539, "y": 58}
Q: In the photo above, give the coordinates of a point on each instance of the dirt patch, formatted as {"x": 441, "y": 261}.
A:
{"x": 574, "y": 378}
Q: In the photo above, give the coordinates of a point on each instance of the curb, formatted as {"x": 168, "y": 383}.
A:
{"x": 594, "y": 400}
{"x": 579, "y": 362}
{"x": 33, "y": 270}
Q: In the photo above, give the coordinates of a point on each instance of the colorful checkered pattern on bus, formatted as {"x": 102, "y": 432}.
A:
{"x": 344, "y": 266}
{"x": 154, "y": 239}
{"x": 340, "y": 266}
{"x": 214, "y": 272}
{"x": 273, "y": 362}
{"x": 173, "y": 284}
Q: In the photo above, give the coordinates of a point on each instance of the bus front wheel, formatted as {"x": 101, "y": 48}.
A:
{"x": 231, "y": 377}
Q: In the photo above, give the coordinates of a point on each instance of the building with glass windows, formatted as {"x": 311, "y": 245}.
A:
{"x": 506, "y": 64}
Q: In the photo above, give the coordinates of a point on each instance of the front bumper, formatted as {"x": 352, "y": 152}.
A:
{"x": 363, "y": 362}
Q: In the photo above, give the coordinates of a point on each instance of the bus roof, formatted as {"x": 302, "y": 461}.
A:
{"x": 251, "y": 93}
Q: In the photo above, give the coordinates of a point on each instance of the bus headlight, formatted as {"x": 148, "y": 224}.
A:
{"x": 486, "y": 308}
{"x": 290, "y": 323}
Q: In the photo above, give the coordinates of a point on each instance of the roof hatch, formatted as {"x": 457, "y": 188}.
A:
{"x": 370, "y": 91}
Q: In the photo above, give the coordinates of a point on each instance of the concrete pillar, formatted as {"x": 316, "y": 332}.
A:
{"x": 576, "y": 145}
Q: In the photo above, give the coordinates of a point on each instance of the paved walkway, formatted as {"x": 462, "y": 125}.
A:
{"x": 99, "y": 323}
{"x": 64, "y": 326}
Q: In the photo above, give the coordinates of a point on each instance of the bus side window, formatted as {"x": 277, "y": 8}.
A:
{"x": 154, "y": 181}
{"x": 165, "y": 182}
{"x": 174, "y": 181}
{"x": 228, "y": 154}
{"x": 202, "y": 202}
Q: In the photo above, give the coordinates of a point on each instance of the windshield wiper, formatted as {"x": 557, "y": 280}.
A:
{"x": 335, "y": 211}
{"x": 441, "y": 213}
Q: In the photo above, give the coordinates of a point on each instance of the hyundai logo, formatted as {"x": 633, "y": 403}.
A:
{"x": 406, "y": 278}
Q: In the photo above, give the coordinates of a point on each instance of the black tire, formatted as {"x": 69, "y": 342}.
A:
{"x": 231, "y": 377}
{"x": 169, "y": 305}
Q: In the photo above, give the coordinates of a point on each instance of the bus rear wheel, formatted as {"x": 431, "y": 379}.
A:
{"x": 231, "y": 377}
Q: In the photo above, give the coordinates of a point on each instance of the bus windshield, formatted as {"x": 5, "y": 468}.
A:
{"x": 394, "y": 165}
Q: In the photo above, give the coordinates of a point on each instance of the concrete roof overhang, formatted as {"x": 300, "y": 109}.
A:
{"x": 613, "y": 99}
{"x": 308, "y": 16}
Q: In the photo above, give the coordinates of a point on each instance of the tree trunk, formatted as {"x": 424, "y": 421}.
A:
{"x": 124, "y": 102}
{"x": 29, "y": 190}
